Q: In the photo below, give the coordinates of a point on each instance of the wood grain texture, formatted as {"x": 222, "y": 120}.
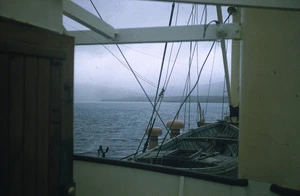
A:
{"x": 30, "y": 124}
{"x": 37, "y": 65}
{"x": 43, "y": 105}
{"x": 4, "y": 120}
{"x": 16, "y": 132}
{"x": 55, "y": 127}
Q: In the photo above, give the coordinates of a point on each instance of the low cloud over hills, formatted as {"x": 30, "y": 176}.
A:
{"x": 84, "y": 92}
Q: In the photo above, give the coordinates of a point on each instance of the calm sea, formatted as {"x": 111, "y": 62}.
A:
{"x": 121, "y": 125}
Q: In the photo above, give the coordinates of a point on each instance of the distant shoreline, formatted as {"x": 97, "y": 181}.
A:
{"x": 195, "y": 99}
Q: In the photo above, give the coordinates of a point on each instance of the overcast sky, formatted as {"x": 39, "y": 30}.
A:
{"x": 96, "y": 66}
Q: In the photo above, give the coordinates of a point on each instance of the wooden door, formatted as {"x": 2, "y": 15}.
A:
{"x": 37, "y": 110}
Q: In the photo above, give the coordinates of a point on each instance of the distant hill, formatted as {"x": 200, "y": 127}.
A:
{"x": 211, "y": 99}
{"x": 89, "y": 92}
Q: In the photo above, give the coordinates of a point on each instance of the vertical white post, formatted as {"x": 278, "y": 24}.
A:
{"x": 224, "y": 54}
{"x": 235, "y": 69}
{"x": 270, "y": 97}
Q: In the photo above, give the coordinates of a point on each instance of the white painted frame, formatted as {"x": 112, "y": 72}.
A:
{"x": 87, "y": 19}
{"x": 269, "y": 4}
{"x": 166, "y": 34}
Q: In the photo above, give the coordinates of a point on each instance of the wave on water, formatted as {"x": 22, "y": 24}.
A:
{"x": 121, "y": 125}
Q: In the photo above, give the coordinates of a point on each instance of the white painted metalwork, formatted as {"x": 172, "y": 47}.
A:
{"x": 235, "y": 69}
{"x": 166, "y": 34}
{"x": 87, "y": 19}
{"x": 225, "y": 61}
{"x": 269, "y": 4}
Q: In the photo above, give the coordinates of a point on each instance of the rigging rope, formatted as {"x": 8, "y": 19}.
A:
{"x": 194, "y": 20}
{"x": 131, "y": 69}
{"x": 135, "y": 75}
{"x": 195, "y": 85}
{"x": 157, "y": 97}
{"x": 154, "y": 110}
{"x": 198, "y": 90}
{"x": 209, "y": 86}
{"x": 168, "y": 79}
{"x": 139, "y": 75}
{"x": 223, "y": 98}
{"x": 95, "y": 9}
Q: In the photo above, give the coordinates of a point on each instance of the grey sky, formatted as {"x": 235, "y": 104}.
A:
{"x": 94, "y": 65}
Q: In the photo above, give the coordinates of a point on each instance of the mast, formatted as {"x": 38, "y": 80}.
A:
{"x": 235, "y": 73}
{"x": 233, "y": 99}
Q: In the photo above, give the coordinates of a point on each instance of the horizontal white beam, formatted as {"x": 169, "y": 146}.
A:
{"x": 87, "y": 19}
{"x": 161, "y": 34}
{"x": 269, "y": 4}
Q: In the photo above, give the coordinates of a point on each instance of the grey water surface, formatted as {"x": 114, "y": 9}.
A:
{"x": 121, "y": 125}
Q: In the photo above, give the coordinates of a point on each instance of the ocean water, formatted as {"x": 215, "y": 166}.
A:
{"x": 121, "y": 125}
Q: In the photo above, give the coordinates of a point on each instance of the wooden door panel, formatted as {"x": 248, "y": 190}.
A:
{"x": 55, "y": 126}
{"x": 38, "y": 115}
{"x": 30, "y": 119}
{"x": 16, "y": 132}
{"x": 43, "y": 106}
{"x": 4, "y": 120}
